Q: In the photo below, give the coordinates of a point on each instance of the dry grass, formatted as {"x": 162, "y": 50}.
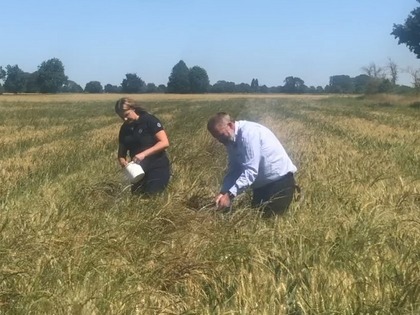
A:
{"x": 74, "y": 240}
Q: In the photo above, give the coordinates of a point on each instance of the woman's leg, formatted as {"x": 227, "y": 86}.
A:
{"x": 154, "y": 181}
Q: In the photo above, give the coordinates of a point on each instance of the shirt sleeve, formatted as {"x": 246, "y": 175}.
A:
{"x": 121, "y": 134}
{"x": 251, "y": 150}
{"x": 233, "y": 172}
{"x": 122, "y": 149}
{"x": 154, "y": 124}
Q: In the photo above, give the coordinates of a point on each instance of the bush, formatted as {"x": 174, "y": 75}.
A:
{"x": 415, "y": 105}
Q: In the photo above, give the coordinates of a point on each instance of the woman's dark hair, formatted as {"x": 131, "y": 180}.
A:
{"x": 127, "y": 103}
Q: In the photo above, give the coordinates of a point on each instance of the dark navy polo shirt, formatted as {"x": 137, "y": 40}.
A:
{"x": 139, "y": 135}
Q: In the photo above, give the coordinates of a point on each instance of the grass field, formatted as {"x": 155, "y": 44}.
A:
{"x": 74, "y": 241}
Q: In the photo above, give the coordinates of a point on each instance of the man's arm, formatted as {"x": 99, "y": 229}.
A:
{"x": 224, "y": 198}
{"x": 232, "y": 174}
{"x": 251, "y": 151}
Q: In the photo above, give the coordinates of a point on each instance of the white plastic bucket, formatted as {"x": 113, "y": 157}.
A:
{"x": 134, "y": 172}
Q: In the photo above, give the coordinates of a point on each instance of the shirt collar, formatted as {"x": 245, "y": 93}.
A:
{"x": 236, "y": 131}
{"x": 236, "y": 135}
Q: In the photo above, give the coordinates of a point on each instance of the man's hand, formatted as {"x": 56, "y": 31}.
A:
{"x": 223, "y": 201}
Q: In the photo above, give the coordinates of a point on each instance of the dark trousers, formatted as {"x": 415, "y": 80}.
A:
{"x": 154, "y": 181}
{"x": 275, "y": 197}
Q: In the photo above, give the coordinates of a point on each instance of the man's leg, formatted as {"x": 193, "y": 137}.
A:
{"x": 275, "y": 197}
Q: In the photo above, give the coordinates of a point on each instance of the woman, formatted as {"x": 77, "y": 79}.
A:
{"x": 143, "y": 137}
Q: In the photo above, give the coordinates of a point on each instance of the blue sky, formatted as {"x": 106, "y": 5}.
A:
{"x": 233, "y": 40}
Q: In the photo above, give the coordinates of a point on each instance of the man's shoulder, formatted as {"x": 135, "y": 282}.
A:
{"x": 247, "y": 126}
{"x": 248, "y": 123}
{"x": 248, "y": 130}
{"x": 244, "y": 124}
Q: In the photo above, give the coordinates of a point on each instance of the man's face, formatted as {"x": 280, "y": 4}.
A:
{"x": 224, "y": 133}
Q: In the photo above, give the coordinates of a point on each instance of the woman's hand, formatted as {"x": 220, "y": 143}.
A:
{"x": 123, "y": 162}
{"x": 161, "y": 144}
{"x": 139, "y": 157}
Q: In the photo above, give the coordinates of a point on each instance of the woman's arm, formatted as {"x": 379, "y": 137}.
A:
{"x": 161, "y": 144}
{"x": 122, "y": 155}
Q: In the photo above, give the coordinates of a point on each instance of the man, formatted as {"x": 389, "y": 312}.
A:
{"x": 257, "y": 160}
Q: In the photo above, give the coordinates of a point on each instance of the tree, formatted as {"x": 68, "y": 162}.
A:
{"x": 15, "y": 81}
{"x": 32, "y": 85}
{"x": 276, "y": 89}
{"x": 311, "y": 89}
{"x": 393, "y": 71}
{"x": 179, "y": 81}
{"x": 378, "y": 85}
{"x": 71, "y": 87}
{"x": 385, "y": 86}
{"x": 377, "y": 82}
{"x": 151, "y": 88}
{"x": 254, "y": 85}
{"x": 132, "y": 83}
{"x": 223, "y": 87}
{"x": 243, "y": 88}
{"x": 93, "y": 87}
{"x": 409, "y": 32}
{"x": 109, "y": 88}
{"x": 415, "y": 75}
{"x": 199, "y": 80}
{"x": 361, "y": 83}
{"x": 2, "y": 73}
{"x": 374, "y": 71}
{"x": 51, "y": 76}
{"x": 2, "y": 76}
{"x": 341, "y": 84}
{"x": 263, "y": 88}
{"x": 293, "y": 85}
{"x": 161, "y": 88}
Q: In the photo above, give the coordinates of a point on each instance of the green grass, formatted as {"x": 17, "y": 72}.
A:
{"x": 74, "y": 241}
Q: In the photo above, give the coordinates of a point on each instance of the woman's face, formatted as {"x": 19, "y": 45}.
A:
{"x": 129, "y": 115}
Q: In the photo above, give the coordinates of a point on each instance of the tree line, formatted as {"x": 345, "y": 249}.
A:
{"x": 50, "y": 77}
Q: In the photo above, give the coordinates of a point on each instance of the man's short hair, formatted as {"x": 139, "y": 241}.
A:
{"x": 221, "y": 118}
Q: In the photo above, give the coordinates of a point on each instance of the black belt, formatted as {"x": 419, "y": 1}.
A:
{"x": 287, "y": 175}
{"x": 284, "y": 177}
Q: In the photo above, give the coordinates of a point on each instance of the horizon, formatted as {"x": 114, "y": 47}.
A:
{"x": 236, "y": 41}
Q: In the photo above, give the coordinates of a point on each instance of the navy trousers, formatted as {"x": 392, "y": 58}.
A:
{"x": 154, "y": 181}
{"x": 274, "y": 198}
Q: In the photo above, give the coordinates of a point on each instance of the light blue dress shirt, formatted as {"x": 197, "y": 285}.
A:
{"x": 255, "y": 158}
